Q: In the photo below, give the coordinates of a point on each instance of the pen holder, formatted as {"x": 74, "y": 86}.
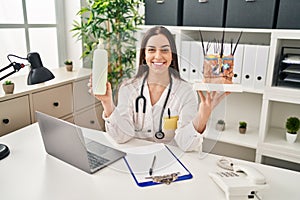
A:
{"x": 218, "y": 70}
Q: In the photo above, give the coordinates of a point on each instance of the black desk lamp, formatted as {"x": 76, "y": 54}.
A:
{"x": 37, "y": 74}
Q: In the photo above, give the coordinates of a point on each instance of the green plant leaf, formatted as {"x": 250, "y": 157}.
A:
{"x": 114, "y": 21}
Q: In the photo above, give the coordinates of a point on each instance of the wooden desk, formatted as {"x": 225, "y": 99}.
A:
{"x": 30, "y": 173}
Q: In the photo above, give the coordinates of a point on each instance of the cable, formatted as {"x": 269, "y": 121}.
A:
{"x": 225, "y": 164}
{"x": 12, "y": 55}
{"x": 256, "y": 195}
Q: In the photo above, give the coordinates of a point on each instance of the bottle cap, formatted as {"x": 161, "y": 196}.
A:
{"x": 100, "y": 44}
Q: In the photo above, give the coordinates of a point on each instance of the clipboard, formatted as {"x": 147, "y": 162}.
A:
{"x": 139, "y": 160}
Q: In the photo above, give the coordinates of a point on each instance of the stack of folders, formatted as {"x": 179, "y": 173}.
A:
{"x": 140, "y": 159}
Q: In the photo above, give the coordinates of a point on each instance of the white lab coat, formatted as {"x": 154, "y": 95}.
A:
{"x": 183, "y": 102}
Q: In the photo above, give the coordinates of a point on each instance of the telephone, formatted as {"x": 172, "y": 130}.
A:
{"x": 242, "y": 182}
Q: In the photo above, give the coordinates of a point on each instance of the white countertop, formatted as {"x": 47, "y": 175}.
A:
{"x": 61, "y": 74}
{"x": 30, "y": 173}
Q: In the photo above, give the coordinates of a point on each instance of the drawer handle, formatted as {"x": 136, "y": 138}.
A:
{"x": 56, "y": 104}
{"x": 250, "y": 0}
{"x": 203, "y": 1}
{"x": 92, "y": 122}
{"x": 5, "y": 121}
{"x": 160, "y": 1}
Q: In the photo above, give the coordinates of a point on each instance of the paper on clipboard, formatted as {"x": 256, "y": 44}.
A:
{"x": 139, "y": 161}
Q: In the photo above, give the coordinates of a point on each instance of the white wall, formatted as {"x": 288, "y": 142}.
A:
{"x": 74, "y": 47}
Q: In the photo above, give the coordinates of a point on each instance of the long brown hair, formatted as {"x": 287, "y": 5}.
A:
{"x": 143, "y": 67}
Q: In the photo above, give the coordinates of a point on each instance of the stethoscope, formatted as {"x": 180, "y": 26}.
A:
{"x": 159, "y": 134}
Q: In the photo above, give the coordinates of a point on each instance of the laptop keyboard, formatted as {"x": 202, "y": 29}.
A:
{"x": 95, "y": 160}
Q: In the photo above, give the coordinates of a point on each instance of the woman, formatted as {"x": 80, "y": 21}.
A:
{"x": 157, "y": 105}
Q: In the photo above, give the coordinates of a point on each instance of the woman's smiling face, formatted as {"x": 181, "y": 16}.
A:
{"x": 158, "y": 54}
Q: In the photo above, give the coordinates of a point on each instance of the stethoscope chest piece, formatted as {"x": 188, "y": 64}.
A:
{"x": 159, "y": 135}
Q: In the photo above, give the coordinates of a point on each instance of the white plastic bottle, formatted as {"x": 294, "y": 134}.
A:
{"x": 99, "y": 71}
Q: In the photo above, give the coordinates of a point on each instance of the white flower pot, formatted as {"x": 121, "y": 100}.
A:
{"x": 220, "y": 127}
{"x": 291, "y": 138}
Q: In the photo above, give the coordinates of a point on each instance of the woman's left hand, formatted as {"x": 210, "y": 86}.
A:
{"x": 207, "y": 105}
{"x": 210, "y": 101}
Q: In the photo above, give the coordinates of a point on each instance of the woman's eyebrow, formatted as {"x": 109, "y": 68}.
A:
{"x": 163, "y": 46}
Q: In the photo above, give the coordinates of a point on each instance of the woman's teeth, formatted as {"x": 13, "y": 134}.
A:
{"x": 159, "y": 64}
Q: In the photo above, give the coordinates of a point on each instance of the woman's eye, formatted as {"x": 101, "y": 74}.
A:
{"x": 165, "y": 50}
{"x": 150, "y": 50}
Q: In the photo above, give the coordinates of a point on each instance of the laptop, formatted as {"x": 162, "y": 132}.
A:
{"x": 65, "y": 141}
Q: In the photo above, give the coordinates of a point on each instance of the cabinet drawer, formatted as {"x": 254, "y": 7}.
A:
{"x": 163, "y": 12}
{"x": 15, "y": 114}
{"x": 250, "y": 13}
{"x": 288, "y": 14}
{"x": 209, "y": 13}
{"x": 91, "y": 118}
{"x": 82, "y": 98}
{"x": 56, "y": 102}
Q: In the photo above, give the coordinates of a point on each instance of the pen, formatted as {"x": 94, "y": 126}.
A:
{"x": 152, "y": 165}
{"x": 201, "y": 37}
{"x": 222, "y": 44}
{"x": 237, "y": 42}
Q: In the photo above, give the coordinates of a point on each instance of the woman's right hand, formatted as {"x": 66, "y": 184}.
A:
{"x": 106, "y": 99}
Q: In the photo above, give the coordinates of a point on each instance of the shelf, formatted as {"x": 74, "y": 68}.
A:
{"x": 217, "y": 87}
{"x": 213, "y": 29}
{"x": 282, "y": 94}
{"x": 294, "y": 69}
{"x": 294, "y": 78}
{"x": 232, "y": 136}
{"x": 250, "y": 35}
{"x": 276, "y": 145}
{"x": 225, "y": 88}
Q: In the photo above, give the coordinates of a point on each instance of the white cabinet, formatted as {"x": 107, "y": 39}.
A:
{"x": 82, "y": 98}
{"x": 90, "y": 118}
{"x": 57, "y": 102}
{"x": 262, "y": 104}
{"x": 279, "y": 103}
{"x": 66, "y": 97}
{"x": 87, "y": 109}
{"x": 14, "y": 114}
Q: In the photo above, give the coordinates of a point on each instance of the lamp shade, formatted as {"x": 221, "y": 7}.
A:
{"x": 38, "y": 73}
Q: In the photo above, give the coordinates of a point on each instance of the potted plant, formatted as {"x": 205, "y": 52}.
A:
{"x": 69, "y": 65}
{"x": 242, "y": 127}
{"x": 292, "y": 125}
{"x": 220, "y": 126}
{"x": 115, "y": 23}
{"x": 8, "y": 87}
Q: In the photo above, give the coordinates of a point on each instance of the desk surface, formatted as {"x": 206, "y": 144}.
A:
{"x": 30, "y": 173}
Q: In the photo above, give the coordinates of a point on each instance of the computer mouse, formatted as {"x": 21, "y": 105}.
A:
{"x": 4, "y": 151}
